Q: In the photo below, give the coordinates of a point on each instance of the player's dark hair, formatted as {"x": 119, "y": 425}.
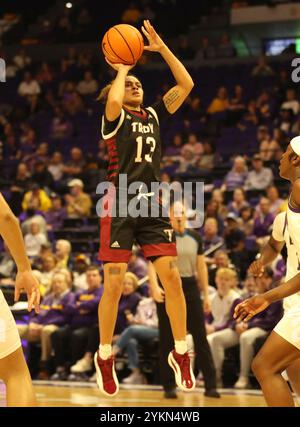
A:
{"x": 103, "y": 95}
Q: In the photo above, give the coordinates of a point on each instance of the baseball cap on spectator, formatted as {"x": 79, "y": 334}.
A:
{"x": 232, "y": 216}
{"x": 75, "y": 182}
{"x": 263, "y": 128}
{"x": 83, "y": 258}
{"x": 54, "y": 196}
{"x": 35, "y": 186}
{"x": 257, "y": 157}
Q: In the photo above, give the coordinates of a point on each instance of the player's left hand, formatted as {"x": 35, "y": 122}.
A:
{"x": 250, "y": 307}
{"x": 27, "y": 281}
{"x": 155, "y": 42}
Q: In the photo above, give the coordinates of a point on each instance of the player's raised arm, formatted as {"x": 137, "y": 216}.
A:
{"x": 177, "y": 94}
{"x": 12, "y": 235}
{"x": 117, "y": 91}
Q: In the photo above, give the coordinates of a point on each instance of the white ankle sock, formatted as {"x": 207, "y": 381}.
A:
{"x": 181, "y": 347}
{"x": 105, "y": 351}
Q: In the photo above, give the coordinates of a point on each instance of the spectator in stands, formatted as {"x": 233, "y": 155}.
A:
{"x": 285, "y": 120}
{"x": 34, "y": 240}
{"x": 77, "y": 342}
{"x": 206, "y": 50}
{"x": 56, "y": 167}
{"x": 128, "y": 302}
{"x": 247, "y": 221}
{"x": 175, "y": 148}
{"x": 193, "y": 145}
{"x": 78, "y": 203}
{"x": 260, "y": 177}
{"x": 27, "y": 139}
{"x": 22, "y": 59}
{"x": 29, "y": 86}
{"x": 237, "y": 176}
{"x": 250, "y": 117}
{"x": 239, "y": 201}
{"x": 269, "y": 148}
{"x": 208, "y": 159}
{"x": 33, "y": 213}
{"x": 56, "y": 215}
{"x": 291, "y": 102}
{"x": 52, "y": 315}
{"x": 131, "y": 15}
{"x": 62, "y": 253}
{"x": 87, "y": 86}
{"x": 143, "y": 327}
{"x": 233, "y": 235}
{"x": 265, "y": 106}
{"x": 184, "y": 49}
{"x": 37, "y": 196}
{"x": 210, "y": 237}
{"x": 137, "y": 264}
{"x": 264, "y": 219}
{"x": 220, "y": 103}
{"x": 245, "y": 334}
{"x": 21, "y": 184}
{"x": 42, "y": 175}
{"x": 221, "y": 304}
{"x": 83, "y": 19}
{"x": 221, "y": 260}
{"x": 47, "y": 272}
{"x": 218, "y": 196}
{"x": 61, "y": 127}
{"x": 225, "y": 48}
{"x": 187, "y": 163}
{"x": 81, "y": 265}
{"x": 275, "y": 201}
{"x": 262, "y": 69}
{"x": 75, "y": 165}
{"x": 212, "y": 211}
{"x": 45, "y": 74}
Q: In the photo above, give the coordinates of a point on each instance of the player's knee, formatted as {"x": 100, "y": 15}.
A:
{"x": 258, "y": 366}
{"x": 172, "y": 282}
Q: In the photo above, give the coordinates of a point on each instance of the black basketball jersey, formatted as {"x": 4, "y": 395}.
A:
{"x": 134, "y": 144}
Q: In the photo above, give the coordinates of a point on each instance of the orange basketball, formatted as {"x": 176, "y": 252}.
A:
{"x": 123, "y": 44}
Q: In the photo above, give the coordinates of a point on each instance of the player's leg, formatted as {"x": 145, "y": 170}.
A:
{"x": 109, "y": 303}
{"x": 15, "y": 374}
{"x": 273, "y": 358}
{"x": 108, "y": 310}
{"x": 166, "y": 268}
{"x": 293, "y": 372}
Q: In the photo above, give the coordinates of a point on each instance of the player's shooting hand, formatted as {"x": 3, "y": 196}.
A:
{"x": 256, "y": 268}
{"x": 155, "y": 42}
{"x": 26, "y": 280}
{"x": 250, "y": 307}
{"x": 119, "y": 67}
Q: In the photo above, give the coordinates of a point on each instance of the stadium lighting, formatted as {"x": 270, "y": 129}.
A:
{"x": 69, "y": 5}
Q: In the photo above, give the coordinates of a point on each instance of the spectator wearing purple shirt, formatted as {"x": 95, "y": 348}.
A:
{"x": 245, "y": 334}
{"x": 52, "y": 316}
{"x": 264, "y": 220}
{"x": 78, "y": 341}
{"x": 56, "y": 215}
{"x": 237, "y": 176}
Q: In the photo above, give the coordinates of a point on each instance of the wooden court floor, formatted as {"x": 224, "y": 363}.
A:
{"x": 87, "y": 395}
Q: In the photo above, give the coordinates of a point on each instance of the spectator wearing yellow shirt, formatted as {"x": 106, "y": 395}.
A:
{"x": 78, "y": 202}
{"x": 43, "y": 202}
{"x": 220, "y": 103}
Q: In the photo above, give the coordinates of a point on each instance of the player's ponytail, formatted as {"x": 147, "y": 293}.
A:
{"x": 103, "y": 95}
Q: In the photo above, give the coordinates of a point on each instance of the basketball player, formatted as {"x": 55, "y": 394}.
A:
{"x": 133, "y": 139}
{"x": 281, "y": 351}
{"x": 13, "y": 368}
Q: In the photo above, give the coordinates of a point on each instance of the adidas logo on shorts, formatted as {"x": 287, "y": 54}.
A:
{"x": 115, "y": 245}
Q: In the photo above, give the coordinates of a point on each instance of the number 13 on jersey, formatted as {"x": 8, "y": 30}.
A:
{"x": 140, "y": 142}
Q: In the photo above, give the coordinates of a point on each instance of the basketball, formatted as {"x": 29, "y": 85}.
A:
{"x": 123, "y": 44}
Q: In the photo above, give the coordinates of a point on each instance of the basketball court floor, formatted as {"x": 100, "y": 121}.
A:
{"x": 85, "y": 394}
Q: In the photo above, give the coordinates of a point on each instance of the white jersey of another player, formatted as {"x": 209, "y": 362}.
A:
{"x": 285, "y": 224}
